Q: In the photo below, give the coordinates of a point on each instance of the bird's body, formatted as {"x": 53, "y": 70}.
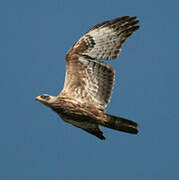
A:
{"x": 89, "y": 80}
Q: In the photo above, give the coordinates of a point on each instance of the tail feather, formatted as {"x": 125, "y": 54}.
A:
{"x": 120, "y": 124}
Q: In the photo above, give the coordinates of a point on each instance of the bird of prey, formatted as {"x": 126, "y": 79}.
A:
{"x": 89, "y": 80}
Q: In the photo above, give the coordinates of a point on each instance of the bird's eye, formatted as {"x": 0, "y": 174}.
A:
{"x": 44, "y": 96}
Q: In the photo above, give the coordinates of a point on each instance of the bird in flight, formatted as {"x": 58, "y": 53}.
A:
{"x": 89, "y": 80}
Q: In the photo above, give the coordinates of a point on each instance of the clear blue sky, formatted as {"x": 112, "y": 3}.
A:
{"x": 35, "y": 144}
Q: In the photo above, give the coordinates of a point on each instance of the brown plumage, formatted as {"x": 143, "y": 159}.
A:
{"x": 89, "y": 81}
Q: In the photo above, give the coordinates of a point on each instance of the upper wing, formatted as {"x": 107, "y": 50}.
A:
{"x": 88, "y": 79}
{"x": 104, "y": 41}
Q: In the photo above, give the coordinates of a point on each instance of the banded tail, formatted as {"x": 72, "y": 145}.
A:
{"x": 120, "y": 124}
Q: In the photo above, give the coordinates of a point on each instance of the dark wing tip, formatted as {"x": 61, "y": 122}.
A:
{"x": 98, "y": 134}
{"x": 94, "y": 131}
{"x": 133, "y": 130}
{"x": 115, "y": 20}
{"x": 101, "y": 137}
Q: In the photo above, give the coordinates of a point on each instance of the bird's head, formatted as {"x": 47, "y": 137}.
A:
{"x": 46, "y": 99}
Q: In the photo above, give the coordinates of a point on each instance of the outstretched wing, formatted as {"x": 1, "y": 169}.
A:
{"x": 88, "y": 79}
{"x": 104, "y": 41}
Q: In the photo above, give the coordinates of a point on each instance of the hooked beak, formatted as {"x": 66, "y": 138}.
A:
{"x": 38, "y": 98}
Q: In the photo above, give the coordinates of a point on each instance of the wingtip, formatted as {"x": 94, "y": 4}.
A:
{"x": 103, "y": 138}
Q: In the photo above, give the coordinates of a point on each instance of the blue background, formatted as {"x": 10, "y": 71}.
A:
{"x": 36, "y": 144}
